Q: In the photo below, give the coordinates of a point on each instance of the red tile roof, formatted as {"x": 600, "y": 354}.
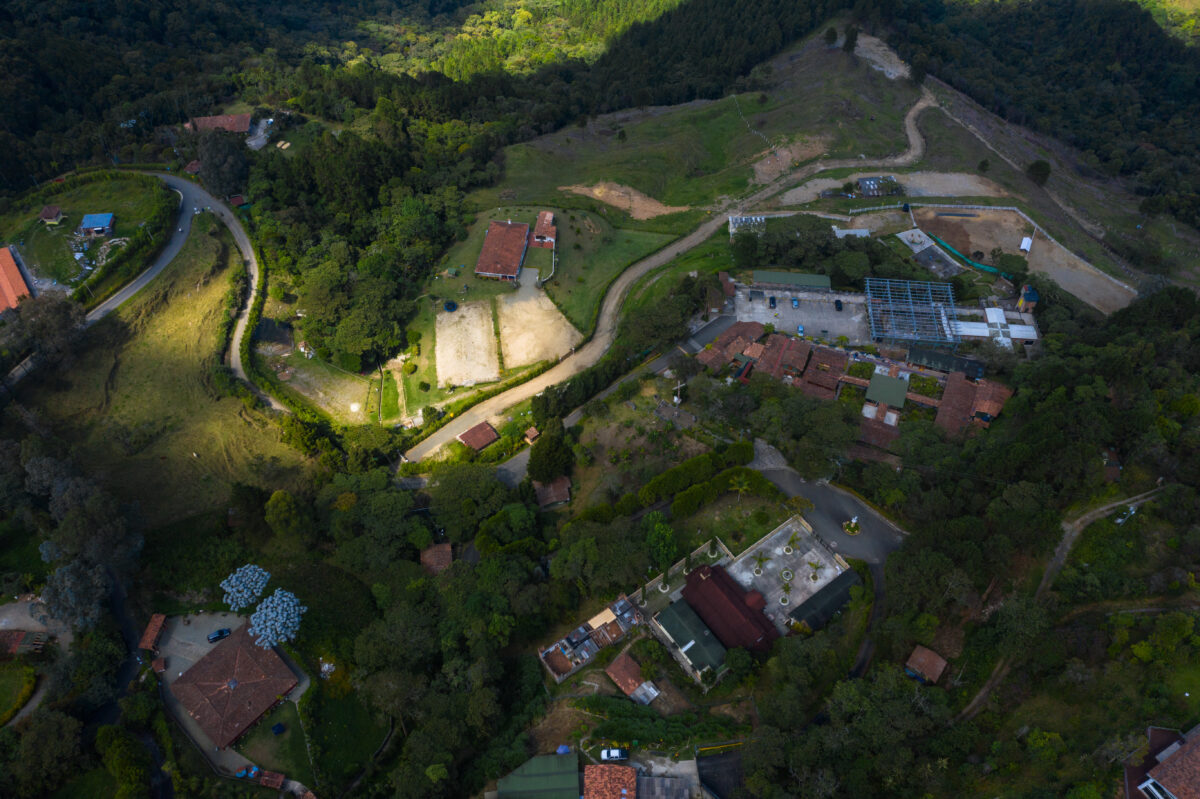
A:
{"x": 1159, "y": 739}
{"x": 437, "y": 558}
{"x": 557, "y": 661}
{"x": 754, "y": 351}
{"x": 503, "y": 249}
{"x": 11, "y": 640}
{"x": 626, "y": 673}
{"x": 234, "y": 123}
{"x": 962, "y": 400}
{"x": 12, "y": 283}
{"x": 876, "y": 433}
{"x": 159, "y": 665}
{"x": 192, "y": 168}
{"x": 545, "y": 229}
{"x": 609, "y": 781}
{"x": 751, "y": 331}
{"x": 230, "y": 688}
{"x": 153, "y": 631}
{"x": 927, "y": 663}
{"x": 272, "y": 779}
{"x": 1179, "y": 772}
{"x": 555, "y": 492}
{"x": 50, "y": 213}
{"x": 784, "y": 355}
{"x": 728, "y": 610}
{"x": 479, "y": 436}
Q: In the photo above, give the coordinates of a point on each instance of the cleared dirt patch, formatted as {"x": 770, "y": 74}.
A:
{"x": 882, "y": 57}
{"x": 916, "y": 184}
{"x": 532, "y": 328}
{"x": 557, "y": 727}
{"x": 629, "y": 200}
{"x": 1004, "y": 229}
{"x": 771, "y": 165}
{"x": 466, "y": 346}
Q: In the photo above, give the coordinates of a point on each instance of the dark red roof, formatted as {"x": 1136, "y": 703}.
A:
{"x": 784, "y": 355}
{"x": 50, "y": 213}
{"x": 926, "y": 663}
{"x": 609, "y": 781}
{"x": 228, "y": 689}
{"x": 153, "y": 631}
{"x": 1179, "y": 772}
{"x": 272, "y": 779}
{"x": 437, "y": 558}
{"x": 234, "y": 123}
{"x": 556, "y": 492}
{"x": 877, "y": 434}
{"x": 11, "y": 640}
{"x": 159, "y": 665}
{"x": 479, "y": 436}
{"x": 545, "y": 229}
{"x": 727, "y": 610}
{"x": 192, "y": 168}
{"x": 626, "y": 673}
{"x": 503, "y": 249}
{"x": 1159, "y": 739}
{"x": 962, "y": 399}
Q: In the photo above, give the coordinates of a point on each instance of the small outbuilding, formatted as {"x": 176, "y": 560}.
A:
{"x": 1026, "y": 244}
{"x": 556, "y": 492}
{"x": 532, "y": 435}
{"x": 96, "y": 225}
{"x": 480, "y": 436}
{"x": 153, "y": 632}
{"x": 437, "y": 558}
{"x": 50, "y": 215}
{"x": 545, "y": 234}
{"x": 192, "y": 168}
{"x": 925, "y": 665}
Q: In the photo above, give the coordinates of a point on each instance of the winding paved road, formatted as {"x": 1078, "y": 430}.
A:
{"x": 606, "y": 325}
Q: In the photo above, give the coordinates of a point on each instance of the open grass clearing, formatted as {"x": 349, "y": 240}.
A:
{"x": 16, "y": 681}
{"x": 341, "y": 394}
{"x": 347, "y": 734}
{"x": 285, "y": 753}
{"x": 739, "y": 522}
{"x": 46, "y": 250}
{"x": 138, "y": 407}
{"x": 94, "y": 784}
{"x": 822, "y": 101}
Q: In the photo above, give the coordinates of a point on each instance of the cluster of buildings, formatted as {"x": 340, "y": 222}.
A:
{"x": 505, "y": 245}
{"x": 821, "y": 372}
{"x": 558, "y": 776}
{"x": 577, "y": 648}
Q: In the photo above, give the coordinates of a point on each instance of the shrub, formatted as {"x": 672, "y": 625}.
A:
{"x": 410, "y": 368}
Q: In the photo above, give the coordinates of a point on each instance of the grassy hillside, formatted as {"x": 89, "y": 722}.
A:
{"x": 1180, "y": 18}
{"x": 138, "y": 406}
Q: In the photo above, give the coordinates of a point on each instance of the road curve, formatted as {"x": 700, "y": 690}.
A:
{"x": 606, "y": 325}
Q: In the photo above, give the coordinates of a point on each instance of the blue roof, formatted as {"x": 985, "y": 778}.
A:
{"x": 96, "y": 220}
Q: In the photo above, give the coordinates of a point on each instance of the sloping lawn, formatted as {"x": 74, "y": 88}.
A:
{"x": 347, "y": 734}
{"x": 16, "y": 683}
{"x": 284, "y": 753}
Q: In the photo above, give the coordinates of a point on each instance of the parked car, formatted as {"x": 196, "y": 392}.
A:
{"x": 771, "y": 302}
{"x": 795, "y": 302}
{"x": 614, "y": 754}
{"x": 218, "y": 635}
{"x": 837, "y": 304}
{"x": 800, "y": 329}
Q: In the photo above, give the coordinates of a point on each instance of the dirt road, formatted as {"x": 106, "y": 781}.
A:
{"x": 606, "y": 324}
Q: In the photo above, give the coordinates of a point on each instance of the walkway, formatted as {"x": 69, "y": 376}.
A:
{"x": 606, "y": 325}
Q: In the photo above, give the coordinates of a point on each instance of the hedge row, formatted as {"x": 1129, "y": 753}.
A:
{"x": 692, "y": 499}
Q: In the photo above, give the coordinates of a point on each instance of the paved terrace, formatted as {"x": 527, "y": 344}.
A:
{"x": 806, "y": 549}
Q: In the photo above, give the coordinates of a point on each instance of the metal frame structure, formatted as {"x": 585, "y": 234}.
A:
{"x": 911, "y": 311}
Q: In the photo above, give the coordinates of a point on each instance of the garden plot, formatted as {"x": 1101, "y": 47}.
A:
{"x": 466, "y": 346}
{"x": 532, "y": 328}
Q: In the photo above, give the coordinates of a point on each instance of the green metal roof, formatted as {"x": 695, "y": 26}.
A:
{"x": 800, "y": 280}
{"x": 818, "y": 609}
{"x": 543, "y": 777}
{"x": 887, "y": 390}
{"x": 693, "y": 637}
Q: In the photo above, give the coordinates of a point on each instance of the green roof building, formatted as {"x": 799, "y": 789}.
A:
{"x": 887, "y": 390}
{"x": 543, "y": 777}
{"x": 796, "y": 280}
{"x": 691, "y": 636}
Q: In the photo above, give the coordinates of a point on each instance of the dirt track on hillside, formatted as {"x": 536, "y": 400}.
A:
{"x": 627, "y": 199}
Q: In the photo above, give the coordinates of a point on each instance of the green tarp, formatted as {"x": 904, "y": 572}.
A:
{"x": 798, "y": 280}
{"x": 543, "y": 777}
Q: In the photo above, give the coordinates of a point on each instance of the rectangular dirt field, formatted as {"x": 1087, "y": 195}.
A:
{"x": 466, "y": 346}
{"x": 1004, "y": 229}
{"x": 532, "y": 328}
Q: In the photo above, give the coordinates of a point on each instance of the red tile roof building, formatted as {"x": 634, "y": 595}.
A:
{"x": 18, "y": 642}
{"x": 503, "y": 250}
{"x": 556, "y": 492}
{"x": 192, "y": 168}
{"x": 730, "y": 344}
{"x": 231, "y": 687}
{"x": 1171, "y": 763}
{"x": 964, "y": 403}
{"x": 735, "y": 617}
{"x": 232, "y": 123}
{"x": 12, "y": 282}
{"x": 271, "y": 779}
{"x": 544, "y": 232}
{"x": 437, "y": 558}
{"x": 609, "y": 781}
{"x": 153, "y": 632}
{"x": 626, "y": 674}
{"x": 784, "y": 356}
{"x": 480, "y": 436}
{"x": 825, "y": 368}
{"x": 926, "y": 664}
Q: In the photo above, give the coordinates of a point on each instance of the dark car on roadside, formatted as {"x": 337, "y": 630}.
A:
{"x": 771, "y": 302}
{"x": 218, "y": 635}
{"x": 837, "y": 304}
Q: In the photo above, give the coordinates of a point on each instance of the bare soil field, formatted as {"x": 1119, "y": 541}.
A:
{"x": 532, "y": 328}
{"x": 882, "y": 57}
{"x": 557, "y": 727}
{"x": 630, "y": 200}
{"x": 916, "y": 184}
{"x": 1004, "y": 229}
{"x": 343, "y": 396}
{"x": 466, "y": 346}
{"x": 779, "y": 160}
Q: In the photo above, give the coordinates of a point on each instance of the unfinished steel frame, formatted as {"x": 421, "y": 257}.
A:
{"x": 911, "y": 311}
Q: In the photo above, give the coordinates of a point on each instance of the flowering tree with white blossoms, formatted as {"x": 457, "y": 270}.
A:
{"x": 245, "y": 586}
{"x": 276, "y": 619}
